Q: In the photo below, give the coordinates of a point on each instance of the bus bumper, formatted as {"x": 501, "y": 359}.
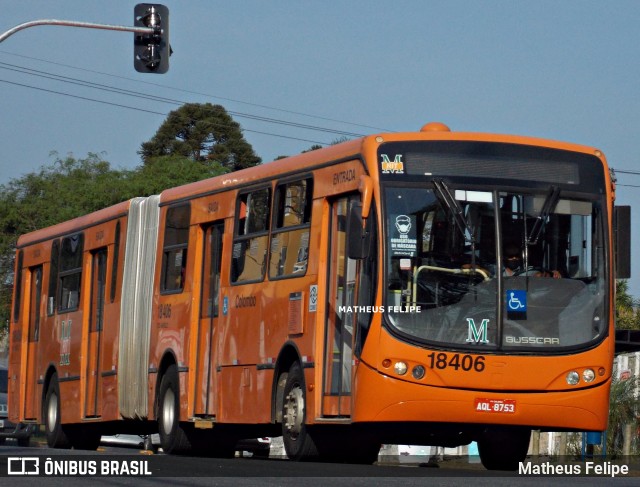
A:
{"x": 381, "y": 398}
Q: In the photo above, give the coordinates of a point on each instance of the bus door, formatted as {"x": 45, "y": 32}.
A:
{"x": 31, "y": 402}
{"x": 96, "y": 324}
{"x": 206, "y": 353}
{"x": 340, "y": 319}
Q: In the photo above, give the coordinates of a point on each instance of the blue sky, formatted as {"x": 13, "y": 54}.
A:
{"x": 561, "y": 70}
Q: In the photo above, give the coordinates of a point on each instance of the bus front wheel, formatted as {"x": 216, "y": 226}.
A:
{"x": 298, "y": 444}
{"x": 503, "y": 449}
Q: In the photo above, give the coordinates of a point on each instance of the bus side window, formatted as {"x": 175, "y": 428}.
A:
{"x": 290, "y": 233}
{"x": 18, "y": 285}
{"x": 175, "y": 246}
{"x": 70, "y": 274}
{"x": 53, "y": 278}
{"x": 251, "y": 236}
{"x": 114, "y": 268}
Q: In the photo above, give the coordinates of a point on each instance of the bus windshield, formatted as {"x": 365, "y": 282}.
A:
{"x": 493, "y": 269}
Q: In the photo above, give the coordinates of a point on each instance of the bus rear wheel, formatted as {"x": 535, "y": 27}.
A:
{"x": 172, "y": 436}
{"x": 56, "y": 436}
{"x": 503, "y": 449}
{"x": 298, "y": 443}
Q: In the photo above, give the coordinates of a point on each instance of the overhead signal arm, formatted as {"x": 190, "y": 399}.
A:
{"x": 151, "y": 43}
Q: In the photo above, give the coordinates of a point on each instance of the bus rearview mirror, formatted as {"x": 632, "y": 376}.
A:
{"x": 622, "y": 241}
{"x": 359, "y": 237}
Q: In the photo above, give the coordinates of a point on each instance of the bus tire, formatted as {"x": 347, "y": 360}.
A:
{"x": 172, "y": 436}
{"x": 503, "y": 449}
{"x": 298, "y": 443}
{"x": 56, "y": 436}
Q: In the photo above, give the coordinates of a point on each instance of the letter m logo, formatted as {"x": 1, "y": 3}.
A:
{"x": 478, "y": 335}
{"x": 395, "y": 166}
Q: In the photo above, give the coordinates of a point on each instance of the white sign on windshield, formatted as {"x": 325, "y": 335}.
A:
{"x": 474, "y": 196}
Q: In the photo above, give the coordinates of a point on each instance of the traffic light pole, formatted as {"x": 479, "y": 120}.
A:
{"x": 87, "y": 25}
{"x": 151, "y": 42}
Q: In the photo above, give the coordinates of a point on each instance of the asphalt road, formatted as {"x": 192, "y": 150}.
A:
{"x": 167, "y": 470}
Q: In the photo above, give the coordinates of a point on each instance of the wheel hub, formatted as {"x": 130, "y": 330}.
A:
{"x": 168, "y": 412}
{"x": 294, "y": 412}
{"x": 52, "y": 412}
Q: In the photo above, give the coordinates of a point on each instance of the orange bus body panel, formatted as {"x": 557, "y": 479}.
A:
{"x": 64, "y": 339}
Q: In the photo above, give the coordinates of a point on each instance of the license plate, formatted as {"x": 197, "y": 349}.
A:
{"x": 507, "y": 406}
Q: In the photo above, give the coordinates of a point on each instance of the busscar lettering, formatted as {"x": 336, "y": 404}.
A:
{"x": 344, "y": 176}
{"x": 511, "y": 340}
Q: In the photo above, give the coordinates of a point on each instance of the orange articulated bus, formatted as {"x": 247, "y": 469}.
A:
{"x": 360, "y": 294}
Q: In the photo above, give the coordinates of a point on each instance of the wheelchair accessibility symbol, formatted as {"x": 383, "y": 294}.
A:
{"x": 516, "y": 300}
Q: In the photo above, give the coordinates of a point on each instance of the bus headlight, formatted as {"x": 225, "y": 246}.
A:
{"x": 400, "y": 368}
{"x": 588, "y": 375}
{"x": 573, "y": 378}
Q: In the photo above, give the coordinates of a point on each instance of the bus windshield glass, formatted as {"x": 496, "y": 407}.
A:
{"x": 495, "y": 267}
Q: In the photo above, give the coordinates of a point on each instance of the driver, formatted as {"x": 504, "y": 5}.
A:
{"x": 513, "y": 264}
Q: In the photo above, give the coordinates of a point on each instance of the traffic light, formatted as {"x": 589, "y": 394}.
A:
{"x": 151, "y": 51}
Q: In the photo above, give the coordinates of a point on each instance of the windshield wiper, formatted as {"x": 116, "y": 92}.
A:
{"x": 548, "y": 206}
{"x": 455, "y": 209}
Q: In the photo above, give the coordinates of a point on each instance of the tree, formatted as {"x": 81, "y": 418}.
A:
{"x": 66, "y": 189}
{"x": 312, "y": 148}
{"x": 72, "y": 187}
{"x": 622, "y": 411}
{"x": 168, "y": 172}
{"x": 203, "y": 133}
{"x": 627, "y": 317}
{"x": 337, "y": 141}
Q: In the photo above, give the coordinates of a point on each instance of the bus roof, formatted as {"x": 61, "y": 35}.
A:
{"x": 308, "y": 160}
{"x": 349, "y": 150}
{"x": 293, "y": 164}
{"x": 74, "y": 225}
